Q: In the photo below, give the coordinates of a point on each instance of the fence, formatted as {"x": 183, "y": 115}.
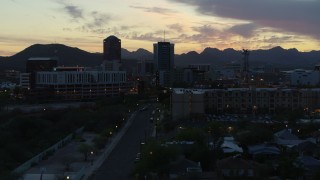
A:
{"x": 36, "y": 159}
{"x": 80, "y": 174}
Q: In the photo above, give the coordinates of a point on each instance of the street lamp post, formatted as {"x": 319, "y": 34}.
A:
{"x": 145, "y": 135}
{"x": 254, "y": 110}
{"x": 306, "y": 110}
{"x": 42, "y": 171}
{"x": 91, "y": 157}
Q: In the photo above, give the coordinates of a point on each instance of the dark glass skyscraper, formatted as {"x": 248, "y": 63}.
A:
{"x": 164, "y": 56}
{"x": 164, "y": 60}
{"x": 112, "y": 48}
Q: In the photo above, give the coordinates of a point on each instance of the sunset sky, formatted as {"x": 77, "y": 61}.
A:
{"x": 190, "y": 24}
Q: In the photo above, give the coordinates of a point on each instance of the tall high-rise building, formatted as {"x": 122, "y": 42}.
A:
{"x": 112, "y": 48}
{"x": 163, "y": 55}
{"x": 164, "y": 61}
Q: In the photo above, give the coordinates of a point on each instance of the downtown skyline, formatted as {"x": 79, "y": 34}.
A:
{"x": 190, "y": 24}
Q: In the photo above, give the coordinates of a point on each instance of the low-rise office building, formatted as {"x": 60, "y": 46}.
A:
{"x": 75, "y": 83}
{"x": 82, "y": 84}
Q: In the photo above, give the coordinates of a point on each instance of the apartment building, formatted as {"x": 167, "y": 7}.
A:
{"x": 243, "y": 100}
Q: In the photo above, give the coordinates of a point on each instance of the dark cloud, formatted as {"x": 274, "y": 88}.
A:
{"x": 245, "y": 30}
{"x": 103, "y": 31}
{"x": 298, "y": 16}
{"x": 100, "y": 31}
{"x": 66, "y": 29}
{"x": 204, "y": 34}
{"x": 144, "y": 37}
{"x": 177, "y": 27}
{"x": 274, "y": 41}
{"x": 22, "y": 39}
{"x": 207, "y": 30}
{"x": 74, "y": 11}
{"x": 155, "y": 9}
{"x": 89, "y": 19}
{"x": 125, "y": 27}
{"x": 98, "y": 20}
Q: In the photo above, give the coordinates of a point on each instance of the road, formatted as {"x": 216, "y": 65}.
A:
{"x": 120, "y": 162}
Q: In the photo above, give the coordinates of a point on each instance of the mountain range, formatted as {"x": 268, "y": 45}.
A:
{"x": 71, "y": 56}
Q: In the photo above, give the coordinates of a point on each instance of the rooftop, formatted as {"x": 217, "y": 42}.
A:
{"x": 42, "y": 58}
{"x": 190, "y": 91}
{"x": 263, "y": 149}
{"x": 112, "y": 37}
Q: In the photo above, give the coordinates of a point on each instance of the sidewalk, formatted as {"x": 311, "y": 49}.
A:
{"x": 54, "y": 167}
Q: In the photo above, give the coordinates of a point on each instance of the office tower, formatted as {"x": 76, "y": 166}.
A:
{"x": 164, "y": 61}
{"x": 112, "y": 48}
{"x": 163, "y": 56}
{"x": 39, "y": 64}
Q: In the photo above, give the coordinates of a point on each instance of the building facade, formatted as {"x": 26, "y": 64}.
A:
{"x": 201, "y": 67}
{"x": 187, "y": 102}
{"x": 83, "y": 84}
{"x": 163, "y": 53}
{"x": 267, "y": 100}
{"x": 309, "y": 78}
{"x": 36, "y": 64}
{"x": 25, "y": 80}
{"x": 145, "y": 67}
{"x": 112, "y": 48}
{"x": 244, "y": 100}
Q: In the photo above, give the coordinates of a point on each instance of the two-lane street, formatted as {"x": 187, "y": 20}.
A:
{"x": 121, "y": 160}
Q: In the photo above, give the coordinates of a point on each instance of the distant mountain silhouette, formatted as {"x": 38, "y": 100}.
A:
{"x": 140, "y": 54}
{"x": 71, "y": 56}
{"x": 276, "y": 56}
{"x": 68, "y": 56}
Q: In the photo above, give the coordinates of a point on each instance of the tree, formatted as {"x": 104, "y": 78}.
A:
{"x": 4, "y": 99}
{"x": 216, "y": 132}
{"x": 67, "y": 161}
{"x": 254, "y": 135}
{"x": 191, "y": 134}
{"x": 99, "y": 142}
{"x": 156, "y": 158}
{"x": 85, "y": 149}
{"x": 316, "y": 174}
{"x": 289, "y": 169}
